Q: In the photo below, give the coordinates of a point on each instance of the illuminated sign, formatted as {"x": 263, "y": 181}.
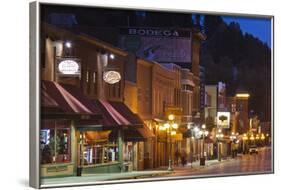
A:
{"x": 111, "y": 77}
{"x": 223, "y": 119}
{"x": 157, "y": 44}
{"x": 243, "y": 95}
{"x": 68, "y": 67}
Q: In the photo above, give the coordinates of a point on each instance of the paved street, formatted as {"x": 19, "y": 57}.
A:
{"x": 259, "y": 163}
{"x": 241, "y": 164}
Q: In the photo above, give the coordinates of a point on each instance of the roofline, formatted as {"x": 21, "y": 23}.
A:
{"x": 89, "y": 39}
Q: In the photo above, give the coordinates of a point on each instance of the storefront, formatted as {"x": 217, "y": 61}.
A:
{"x": 114, "y": 146}
{"x": 84, "y": 87}
{"x": 60, "y": 111}
{"x": 81, "y": 136}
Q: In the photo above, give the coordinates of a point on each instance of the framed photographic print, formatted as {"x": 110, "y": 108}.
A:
{"x": 124, "y": 94}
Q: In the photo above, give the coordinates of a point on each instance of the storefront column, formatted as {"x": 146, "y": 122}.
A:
{"x": 120, "y": 148}
{"x": 73, "y": 147}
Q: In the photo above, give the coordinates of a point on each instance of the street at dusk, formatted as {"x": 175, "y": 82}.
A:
{"x": 147, "y": 94}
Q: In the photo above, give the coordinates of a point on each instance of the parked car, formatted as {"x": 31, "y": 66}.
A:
{"x": 253, "y": 149}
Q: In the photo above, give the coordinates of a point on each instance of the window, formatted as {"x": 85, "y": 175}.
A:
{"x": 95, "y": 84}
{"x": 186, "y": 87}
{"x": 55, "y": 143}
{"x": 100, "y": 152}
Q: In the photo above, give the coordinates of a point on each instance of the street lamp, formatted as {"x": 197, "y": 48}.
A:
{"x": 252, "y": 138}
{"x": 262, "y": 139}
{"x": 203, "y": 133}
{"x": 233, "y": 139}
{"x": 219, "y": 136}
{"x": 169, "y": 126}
{"x": 191, "y": 127}
{"x": 244, "y": 138}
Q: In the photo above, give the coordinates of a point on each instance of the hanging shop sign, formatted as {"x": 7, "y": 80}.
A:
{"x": 68, "y": 67}
{"x": 111, "y": 77}
{"x": 172, "y": 110}
{"x": 223, "y": 119}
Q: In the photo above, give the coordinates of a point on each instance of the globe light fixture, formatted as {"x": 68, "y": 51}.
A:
{"x": 175, "y": 125}
{"x": 166, "y": 125}
{"x": 171, "y": 117}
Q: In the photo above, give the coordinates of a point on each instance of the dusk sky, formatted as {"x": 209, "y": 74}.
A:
{"x": 258, "y": 27}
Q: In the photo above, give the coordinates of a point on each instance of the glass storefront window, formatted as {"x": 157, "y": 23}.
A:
{"x": 128, "y": 151}
{"x": 55, "y": 145}
{"x": 99, "y": 153}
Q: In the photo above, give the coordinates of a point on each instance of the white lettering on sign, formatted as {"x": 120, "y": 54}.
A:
{"x": 153, "y": 32}
{"x": 111, "y": 77}
{"x": 68, "y": 67}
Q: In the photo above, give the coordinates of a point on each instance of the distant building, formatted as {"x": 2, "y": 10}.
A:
{"x": 211, "y": 105}
{"x": 202, "y": 91}
{"x": 187, "y": 95}
{"x": 238, "y": 106}
{"x": 215, "y": 101}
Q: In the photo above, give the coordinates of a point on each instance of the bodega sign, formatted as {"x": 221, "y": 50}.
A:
{"x": 69, "y": 67}
{"x": 155, "y": 32}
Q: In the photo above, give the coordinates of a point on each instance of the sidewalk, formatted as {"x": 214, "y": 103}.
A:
{"x": 196, "y": 165}
{"x": 104, "y": 177}
{"x": 161, "y": 171}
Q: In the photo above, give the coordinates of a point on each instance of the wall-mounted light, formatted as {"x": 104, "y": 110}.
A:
{"x": 111, "y": 56}
{"x": 68, "y": 44}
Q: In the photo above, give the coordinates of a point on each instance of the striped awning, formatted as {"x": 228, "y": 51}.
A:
{"x": 108, "y": 114}
{"x": 117, "y": 114}
{"x": 69, "y": 101}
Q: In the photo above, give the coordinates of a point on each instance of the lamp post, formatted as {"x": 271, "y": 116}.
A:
{"x": 232, "y": 138}
{"x": 262, "y": 139}
{"x": 204, "y": 133}
{"x": 190, "y": 127}
{"x": 194, "y": 129}
{"x": 244, "y": 138}
{"x": 169, "y": 126}
{"x": 219, "y": 136}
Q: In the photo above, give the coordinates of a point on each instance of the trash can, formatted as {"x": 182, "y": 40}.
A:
{"x": 202, "y": 161}
{"x": 79, "y": 171}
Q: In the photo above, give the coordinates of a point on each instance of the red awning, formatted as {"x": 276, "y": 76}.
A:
{"x": 121, "y": 114}
{"x": 117, "y": 114}
{"x": 68, "y": 100}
